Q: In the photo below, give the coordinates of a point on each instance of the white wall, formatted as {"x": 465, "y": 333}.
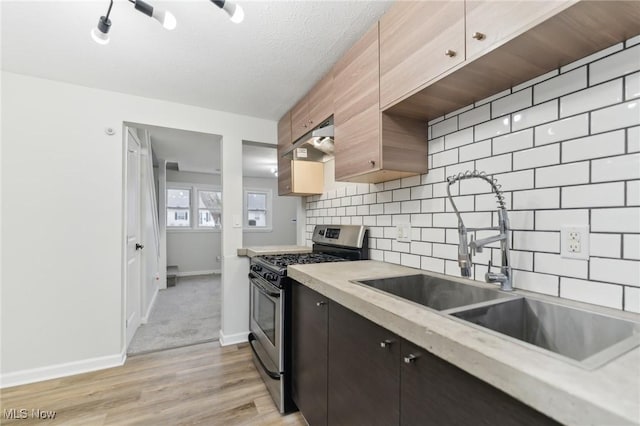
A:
{"x": 194, "y": 251}
{"x": 283, "y": 216}
{"x": 62, "y": 221}
{"x": 566, "y": 150}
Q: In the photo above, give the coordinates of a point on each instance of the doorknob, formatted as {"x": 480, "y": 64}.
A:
{"x": 139, "y": 246}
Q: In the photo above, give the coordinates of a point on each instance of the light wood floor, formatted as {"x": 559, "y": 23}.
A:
{"x": 202, "y": 384}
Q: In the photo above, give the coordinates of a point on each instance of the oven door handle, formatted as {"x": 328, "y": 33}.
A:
{"x": 272, "y": 374}
{"x": 262, "y": 288}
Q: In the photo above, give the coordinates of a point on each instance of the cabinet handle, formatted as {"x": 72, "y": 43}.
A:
{"x": 478, "y": 36}
{"x": 409, "y": 359}
{"x": 450, "y": 53}
{"x": 386, "y": 343}
{"x": 304, "y": 125}
{"x": 372, "y": 162}
{"x": 321, "y": 303}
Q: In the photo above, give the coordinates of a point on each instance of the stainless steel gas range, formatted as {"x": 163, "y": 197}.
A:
{"x": 270, "y": 310}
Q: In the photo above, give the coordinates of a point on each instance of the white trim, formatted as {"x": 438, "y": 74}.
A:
{"x": 145, "y": 318}
{"x": 40, "y": 374}
{"x": 194, "y": 273}
{"x": 233, "y": 339}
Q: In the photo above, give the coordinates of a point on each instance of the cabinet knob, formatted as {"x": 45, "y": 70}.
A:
{"x": 450, "y": 53}
{"x": 409, "y": 359}
{"x": 321, "y": 303}
{"x": 386, "y": 343}
{"x": 372, "y": 162}
{"x": 304, "y": 125}
{"x": 310, "y": 121}
{"x": 479, "y": 36}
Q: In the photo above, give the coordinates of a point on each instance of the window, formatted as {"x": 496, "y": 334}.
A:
{"x": 201, "y": 202}
{"x": 209, "y": 209}
{"x": 257, "y": 207}
{"x": 178, "y": 207}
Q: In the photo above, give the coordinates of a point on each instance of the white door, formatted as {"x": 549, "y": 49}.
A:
{"x": 134, "y": 245}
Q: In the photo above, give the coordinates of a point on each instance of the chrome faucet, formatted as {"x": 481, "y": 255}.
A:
{"x": 468, "y": 247}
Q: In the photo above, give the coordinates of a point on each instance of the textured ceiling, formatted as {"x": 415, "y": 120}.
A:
{"x": 260, "y": 67}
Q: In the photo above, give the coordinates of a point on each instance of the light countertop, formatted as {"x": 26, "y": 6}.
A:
{"x": 268, "y": 250}
{"x": 565, "y": 391}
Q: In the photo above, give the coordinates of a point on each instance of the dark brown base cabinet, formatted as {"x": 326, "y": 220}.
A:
{"x": 349, "y": 371}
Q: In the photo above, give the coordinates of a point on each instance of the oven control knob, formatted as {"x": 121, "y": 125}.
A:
{"x": 269, "y": 276}
{"x": 256, "y": 268}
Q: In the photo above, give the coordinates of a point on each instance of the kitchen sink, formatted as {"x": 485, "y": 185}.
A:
{"x": 592, "y": 339}
{"x": 434, "y": 292}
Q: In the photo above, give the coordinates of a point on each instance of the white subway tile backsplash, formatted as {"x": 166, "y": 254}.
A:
{"x": 556, "y": 265}
{"x": 537, "y": 241}
{"x": 591, "y": 292}
{"x": 493, "y": 128}
{"x": 562, "y": 130}
{"x": 475, "y": 150}
{"x": 495, "y": 164}
{"x": 513, "y": 142}
{"x": 511, "y": 103}
{"x": 444, "y": 127}
{"x": 553, "y": 220}
{"x": 616, "y": 65}
{"x": 475, "y": 116}
{"x": 592, "y": 98}
{"x": 632, "y": 41}
{"x": 616, "y": 168}
{"x": 602, "y": 145}
{"x": 615, "y": 271}
{"x": 561, "y": 85}
{"x": 463, "y": 137}
{"x": 596, "y": 195}
{"x": 626, "y": 220}
{"x": 540, "y": 283}
{"x": 633, "y": 193}
{"x": 632, "y": 299}
{"x": 616, "y": 117}
{"x": 631, "y": 247}
{"x": 632, "y": 86}
{"x": 537, "y": 157}
{"x": 565, "y": 174}
{"x": 633, "y": 139}
{"x": 533, "y": 116}
{"x": 593, "y": 57}
{"x": 604, "y": 245}
{"x": 583, "y": 169}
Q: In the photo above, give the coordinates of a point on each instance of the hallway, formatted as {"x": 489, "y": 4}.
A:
{"x": 183, "y": 315}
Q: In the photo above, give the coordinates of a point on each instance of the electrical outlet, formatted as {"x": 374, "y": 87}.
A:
{"x": 403, "y": 232}
{"x": 574, "y": 242}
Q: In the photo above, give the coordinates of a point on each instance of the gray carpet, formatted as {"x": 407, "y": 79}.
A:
{"x": 183, "y": 315}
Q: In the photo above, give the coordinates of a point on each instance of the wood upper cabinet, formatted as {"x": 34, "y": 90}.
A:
{"x": 309, "y": 353}
{"x": 489, "y": 23}
{"x": 314, "y": 108}
{"x": 418, "y": 41}
{"x": 371, "y": 146}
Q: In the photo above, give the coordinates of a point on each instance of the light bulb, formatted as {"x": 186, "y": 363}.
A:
{"x": 165, "y": 17}
{"x": 99, "y": 37}
{"x": 238, "y": 14}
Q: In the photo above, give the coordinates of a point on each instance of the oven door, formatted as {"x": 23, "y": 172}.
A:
{"x": 265, "y": 321}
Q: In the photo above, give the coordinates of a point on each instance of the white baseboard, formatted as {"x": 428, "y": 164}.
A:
{"x": 40, "y": 374}
{"x": 232, "y": 339}
{"x": 193, "y": 273}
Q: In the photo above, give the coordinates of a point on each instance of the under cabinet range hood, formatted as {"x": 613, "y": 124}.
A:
{"x": 317, "y": 145}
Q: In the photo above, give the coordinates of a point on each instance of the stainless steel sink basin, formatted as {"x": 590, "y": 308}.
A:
{"x": 592, "y": 339}
{"x": 434, "y": 292}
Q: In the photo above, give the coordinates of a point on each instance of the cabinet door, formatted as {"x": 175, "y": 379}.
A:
{"x": 364, "y": 371}
{"x": 309, "y": 353}
{"x": 491, "y": 22}
{"x": 436, "y": 392}
{"x": 418, "y": 41}
{"x": 300, "y": 121}
{"x": 357, "y": 108}
{"x": 321, "y": 100}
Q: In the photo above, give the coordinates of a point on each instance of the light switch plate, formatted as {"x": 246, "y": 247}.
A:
{"x": 574, "y": 242}
{"x": 237, "y": 221}
{"x": 403, "y": 232}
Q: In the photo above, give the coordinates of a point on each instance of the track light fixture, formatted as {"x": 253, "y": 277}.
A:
{"x": 100, "y": 33}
